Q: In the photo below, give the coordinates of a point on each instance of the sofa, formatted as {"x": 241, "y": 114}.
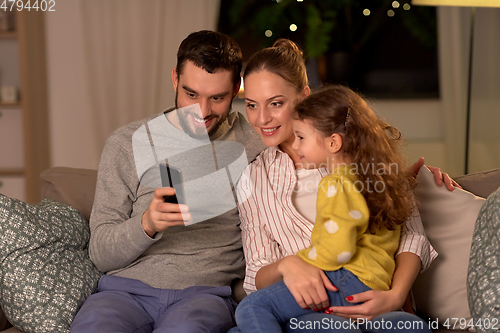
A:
{"x": 443, "y": 284}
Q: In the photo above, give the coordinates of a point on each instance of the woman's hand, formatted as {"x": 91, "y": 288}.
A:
{"x": 377, "y": 302}
{"x": 306, "y": 282}
{"x": 374, "y": 303}
{"x": 440, "y": 176}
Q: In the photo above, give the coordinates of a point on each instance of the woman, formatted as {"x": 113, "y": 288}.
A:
{"x": 277, "y": 221}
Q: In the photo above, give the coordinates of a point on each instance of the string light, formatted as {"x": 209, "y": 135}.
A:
{"x": 268, "y": 33}
{"x": 395, "y": 4}
{"x": 293, "y": 27}
{"x": 390, "y": 13}
{"x": 406, "y": 6}
{"x": 366, "y": 12}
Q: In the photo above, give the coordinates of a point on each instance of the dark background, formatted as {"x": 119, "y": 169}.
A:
{"x": 379, "y": 55}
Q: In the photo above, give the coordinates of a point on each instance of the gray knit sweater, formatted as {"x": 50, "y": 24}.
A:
{"x": 206, "y": 253}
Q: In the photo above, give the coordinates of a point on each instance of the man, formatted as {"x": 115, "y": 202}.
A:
{"x": 161, "y": 274}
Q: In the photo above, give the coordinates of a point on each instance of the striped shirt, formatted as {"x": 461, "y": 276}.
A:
{"x": 271, "y": 226}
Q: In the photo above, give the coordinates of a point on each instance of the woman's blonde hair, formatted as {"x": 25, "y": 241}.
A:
{"x": 373, "y": 147}
{"x": 285, "y": 59}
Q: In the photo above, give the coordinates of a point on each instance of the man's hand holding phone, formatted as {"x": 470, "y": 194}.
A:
{"x": 160, "y": 215}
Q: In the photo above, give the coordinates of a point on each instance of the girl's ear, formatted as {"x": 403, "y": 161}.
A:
{"x": 306, "y": 92}
{"x": 335, "y": 143}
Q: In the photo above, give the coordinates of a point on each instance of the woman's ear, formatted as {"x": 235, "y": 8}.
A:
{"x": 335, "y": 143}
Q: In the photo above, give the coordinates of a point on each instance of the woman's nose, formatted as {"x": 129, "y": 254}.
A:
{"x": 265, "y": 116}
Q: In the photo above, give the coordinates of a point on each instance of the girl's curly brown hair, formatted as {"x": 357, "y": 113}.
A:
{"x": 373, "y": 147}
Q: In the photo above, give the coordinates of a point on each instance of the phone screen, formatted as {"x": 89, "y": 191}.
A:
{"x": 172, "y": 177}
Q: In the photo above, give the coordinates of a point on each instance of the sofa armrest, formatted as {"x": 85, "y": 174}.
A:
{"x": 71, "y": 186}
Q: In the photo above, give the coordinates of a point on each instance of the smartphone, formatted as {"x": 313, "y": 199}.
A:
{"x": 172, "y": 177}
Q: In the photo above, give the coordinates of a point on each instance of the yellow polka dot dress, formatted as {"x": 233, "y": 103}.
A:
{"x": 340, "y": 237}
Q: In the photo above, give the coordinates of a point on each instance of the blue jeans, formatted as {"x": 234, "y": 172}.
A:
{"x": 266, "y": 310}
{"x": 274, "y": 309}
{"x": 126, "y": 305}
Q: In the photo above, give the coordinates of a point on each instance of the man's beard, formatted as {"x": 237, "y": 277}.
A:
{"x": 198, "y": 132}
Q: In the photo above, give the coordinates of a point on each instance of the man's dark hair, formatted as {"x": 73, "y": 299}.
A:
{"x": 211, "y": 51}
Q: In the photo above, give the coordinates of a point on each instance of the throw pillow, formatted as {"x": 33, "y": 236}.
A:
{"x": 483, "y": 279}
{"x": 45, "y": 273}
{"x": 448, "y": 217}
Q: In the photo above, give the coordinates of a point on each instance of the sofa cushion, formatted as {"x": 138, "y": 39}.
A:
{"x": 46, "y": 273}
{"x": 483, "y": 278}
{"x": 448, "y": 217}
{"x": 71, "y": 186}
{"x": 480, "y": 183}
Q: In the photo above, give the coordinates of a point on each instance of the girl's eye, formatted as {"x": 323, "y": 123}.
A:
{"x": 276, "y": 104}
{"x": 250, "y": 106}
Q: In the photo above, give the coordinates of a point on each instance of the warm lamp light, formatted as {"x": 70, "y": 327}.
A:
{"x": 473, "y": 4}
{"x": 241, "y": 92}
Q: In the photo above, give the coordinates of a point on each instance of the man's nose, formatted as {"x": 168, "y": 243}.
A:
{"x": 205, "y": 108}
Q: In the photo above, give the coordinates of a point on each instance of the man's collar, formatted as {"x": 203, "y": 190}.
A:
{"x": 225, "y": 126}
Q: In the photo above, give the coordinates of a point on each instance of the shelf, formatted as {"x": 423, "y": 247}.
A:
{"x": 10, "y": 105}
{"x": 29, "y": 37}
{"x": 11, "y": 172}
{"x": 8, "y": 34}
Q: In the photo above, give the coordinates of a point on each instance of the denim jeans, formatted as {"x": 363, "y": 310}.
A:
{"x": 266, "y": 310}
{"x": 274, "y": 309}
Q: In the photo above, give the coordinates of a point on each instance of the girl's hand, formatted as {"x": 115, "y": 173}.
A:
{"x": 438, "y": 175}
{"x": 306, "y": 282}
{"x": 374, "y": 303}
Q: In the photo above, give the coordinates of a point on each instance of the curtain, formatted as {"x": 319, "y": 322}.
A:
{"x": 485, "y": 102}
{"x": 130, "y": 49}
{"x": 453, "y": 37}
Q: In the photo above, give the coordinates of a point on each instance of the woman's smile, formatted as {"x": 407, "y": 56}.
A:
{"x": 268, "y": 131}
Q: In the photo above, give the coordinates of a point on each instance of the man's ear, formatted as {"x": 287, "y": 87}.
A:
{"x": 236, "y": 89}
{"x": 335, "y": 143}
{"x": 175, "y": 78}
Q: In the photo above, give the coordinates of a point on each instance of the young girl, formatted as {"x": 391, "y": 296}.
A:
{"x": 360, "y": 205}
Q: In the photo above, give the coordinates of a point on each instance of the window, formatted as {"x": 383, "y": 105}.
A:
{"x": 385, "y": 49}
